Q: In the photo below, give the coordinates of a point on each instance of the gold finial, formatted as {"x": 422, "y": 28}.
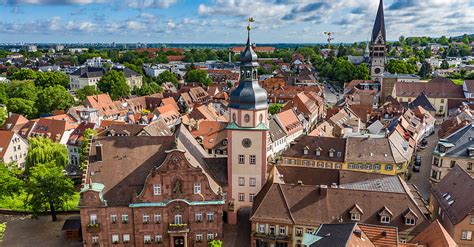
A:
{"x": 249, "y": 21}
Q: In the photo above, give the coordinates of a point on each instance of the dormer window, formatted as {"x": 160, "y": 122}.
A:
{"x": 331, "y": 153}
{"x": 318, "y": 152}
{"x": 410, "y": 222}
{"x": 385, "y": 215}
{"x": 410, "y": 217}
{"x": 356, "y": 212}
{"x": 355, "y": 217}
{"x": 305, "y": 150}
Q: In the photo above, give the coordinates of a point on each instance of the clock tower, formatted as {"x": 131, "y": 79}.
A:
{"x": 378, "y": 46}
{"x": 247, "y": 136}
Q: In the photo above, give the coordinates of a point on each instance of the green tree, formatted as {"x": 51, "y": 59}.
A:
{"x": 3, "y": 93}
{"x": 396, "y": 66}
{"x": 24, "y": 74}
{"x": 10, "y": 183}
{"x": 85, "y": 142}
{"x": 443, "y": 40}
{"x": 22, "y": 89}
{"x": 274, "y": 108}
{"x": 198, "y": 76}
{"x": 215, "y": 243}
{"x": 444, "y": 64}
{"x": 167, "y": 76}
{"x": 114, "y": 83}
{"x": 3, "y": 115}
{"x": 425, "y": 70}
{"x": 86, "y": 91}
{"x": 48, "y": 186}
{"x": 46, "y": 79}
{"x": 54, "y": 98}
{"x": 361, "y": 72}
{"x": 44, "y": 151}
{"x": 22, "y": 106}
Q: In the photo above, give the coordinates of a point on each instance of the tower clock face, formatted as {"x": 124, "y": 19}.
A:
{"x": 246, "y": 143}
{"x": 377, "y": 70}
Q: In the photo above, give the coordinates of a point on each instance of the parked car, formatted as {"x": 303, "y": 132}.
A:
{"x": 417, "y": 164}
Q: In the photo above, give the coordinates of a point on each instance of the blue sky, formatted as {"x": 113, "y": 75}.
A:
{"x": 224, "y": 21}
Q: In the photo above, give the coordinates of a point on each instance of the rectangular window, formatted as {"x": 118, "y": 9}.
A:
{"x": 241, "y": 159}
{"x": 93, "y": 219}
{"x": 115, "y": 239}
{"x": 147, "y": 239}
{"x": 210, "y": 236}
{"x": 309, "y": 230}
{"x": 95, "y": 239}
{"x": 126, "y": 238}
{"x": 199, "y": 237}
{"x": 157, "y": 218}
{"x": 355, "y": 217}
{"x": 210, "y": 216}
{"x": 251, "y": 197}
{"x": 272, "y": 230}
{"x": 124, "y": 218}
{"x": 197, "y": 188}
{"x": 331, "y": 154}
{"x": 156, "y": 189}
{"x": 241, "y": 197}
{"x": 282, "y": 230}
{"x": 466, "y": 235}
{"x": 252, "y": 182}
{"x": 178, "y": 219}
{"x": 472, "y": 220}
{"x": 452, "y": 163}
{"x": 158, "y": 239}
{"x": 113, "y": 218}
{"x": 253, "y": 159}
{"x": 261, "y": 228}
{"x": 241, "y": 181}
{"x": 299, "y": 232}
{"x": 198, "y": 217}
{"x": 146, "y": 219}
{"x": 410, "y": 222}
{"x": 469, "y": 166}
{"x": 385, "y": 219}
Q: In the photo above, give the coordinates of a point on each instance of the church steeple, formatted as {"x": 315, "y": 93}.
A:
{"x": 379, "y": 25}
{"x": 249, "y": 95}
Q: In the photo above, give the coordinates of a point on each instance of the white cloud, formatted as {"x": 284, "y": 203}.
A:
{"x": 141, "y": 4}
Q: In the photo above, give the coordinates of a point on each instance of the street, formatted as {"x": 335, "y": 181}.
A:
{"x": 330, "y": 94}
{"x": 238, "y": 235}
{"x": 421, "y": 178}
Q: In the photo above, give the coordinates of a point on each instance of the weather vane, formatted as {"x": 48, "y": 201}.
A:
{"x": 249, "y": 21}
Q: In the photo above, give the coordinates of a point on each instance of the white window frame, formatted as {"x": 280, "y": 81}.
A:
{"x": 198, "y": 217}
{"x": 252, "y": 182}
{"x": 241, "y": 197}
{"x": 113, "y": 218}
{"x": 466, "y": 235}
{"x": 299, "y": 231}
{"x": 241, "y": 159}
{"x": 385, "y": 219}
{"x": 93, "y": 219}
{"x": 147, "y": 239}
{"x": 95, "y": 239}
{"x": 124, "y": 217}
{"x": 126, "y": 238}
{"x": 282, "y": 230}
{"x": 241, "y": 181}
{"x": 210, "y": 236}
{"x": 261, "y": 228}
{"x": 355, "y": 217}
{"x": 146, "y": 218}
{"x": 410, "y": 221}
{"x": 158, "y": 238}
{"x": 210, "y": 216}
{"x": 251, "y": 197}
{"x": 115, "y": 238}
{"x": 199, "y": 237}
{"x": 272, "y": 230}
{"x": 157, "y": 218}
{"x": 157, "y": 189}
{"x": 178, "y": 219}
{"x": 197, "y": 188}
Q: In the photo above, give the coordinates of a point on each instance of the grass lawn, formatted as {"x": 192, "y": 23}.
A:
{"x": 458, "y": 81}
{"x": 17, "y": 202}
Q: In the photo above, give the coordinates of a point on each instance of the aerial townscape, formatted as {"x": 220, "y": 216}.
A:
{"x": 331, "y": 144}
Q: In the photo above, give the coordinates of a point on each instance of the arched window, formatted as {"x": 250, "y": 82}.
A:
{"x": 255, "y": 75}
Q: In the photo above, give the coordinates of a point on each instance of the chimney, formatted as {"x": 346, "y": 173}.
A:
{"x": 358, "y": 233}
{"x": 323, "y": 190}
{"x": 98, "y": 152}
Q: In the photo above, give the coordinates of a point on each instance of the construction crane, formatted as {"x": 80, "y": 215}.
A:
{"x": 330, "y": 37}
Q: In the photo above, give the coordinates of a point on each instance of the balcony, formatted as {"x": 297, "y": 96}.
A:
{"x": 271, "y": 236}
{"x": 93, "y": 227}
{"x": 178, "y": 228}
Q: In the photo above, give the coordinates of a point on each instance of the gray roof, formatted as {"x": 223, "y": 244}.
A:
{"x": 93, "y": 72}
{"x": 334, "y": 235}
{"x": 379, "y": 25}
{"x": 276, "y": 132}
{"x": 387, "y": 184}
{"x": 462, "y": 139}
{"x": 422, "y": 100}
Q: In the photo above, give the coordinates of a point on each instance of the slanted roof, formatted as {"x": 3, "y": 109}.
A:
{"x": 438, "y": 87}
{"x": 335, "y": 235}
{"x": 5, "y": 138}
{"x": 434, "y": 235}
{"x": 422, "y": 100}
{"x": 380, "y": 235}
{"x": 324, "y": 144}
{"x": 461, "y": 140}
{"x": 14, "y": 122}
{"x": 457, "y": 186}
{"x": 379, "y": 25}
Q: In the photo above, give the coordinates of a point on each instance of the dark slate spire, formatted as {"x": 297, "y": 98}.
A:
{"x": 379, "y": 25}
{"x": 249, "y": 95}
